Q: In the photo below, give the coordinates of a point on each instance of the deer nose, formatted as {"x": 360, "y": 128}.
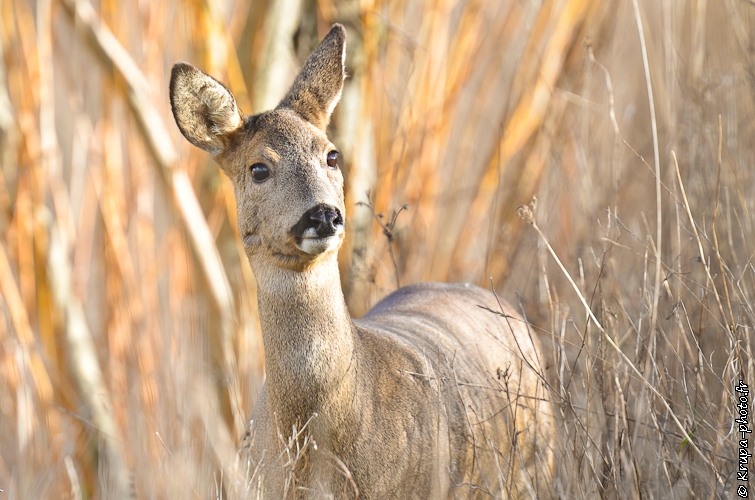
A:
{"x": 320, "y": 221}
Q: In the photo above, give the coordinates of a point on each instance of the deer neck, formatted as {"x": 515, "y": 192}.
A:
{"x": 309, "y": 342}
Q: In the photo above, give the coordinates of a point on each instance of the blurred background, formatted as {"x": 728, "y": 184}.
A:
{"x": 130, "y": 349}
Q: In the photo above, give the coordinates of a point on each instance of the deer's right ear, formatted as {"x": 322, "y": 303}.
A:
{"x": 318, "y": 87}
{"x": 205, "y": 111}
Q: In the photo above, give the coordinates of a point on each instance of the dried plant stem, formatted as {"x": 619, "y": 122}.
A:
{"x": 86, "y": 366}
{"x": 732, "y": 324}
{"x": 389, "y": 232}
{"x": 656, "y": 159}
{"x": 74, "y": 478}
{"x": 277, "y": 64}
{"x": 527, "y": 215}
{"x": 12, "y": 297}
{"x": 20, "y": 321}
{"x": 609, "y": 87}
{"x": 700, "y": 245}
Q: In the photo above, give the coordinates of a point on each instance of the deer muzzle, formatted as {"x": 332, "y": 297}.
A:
{"x": 319, "y": 229}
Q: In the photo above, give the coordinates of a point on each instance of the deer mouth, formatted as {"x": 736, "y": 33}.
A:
{"x": 316, "y": 243}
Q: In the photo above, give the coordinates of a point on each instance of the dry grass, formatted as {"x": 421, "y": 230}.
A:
{"x": 130, "y": 353}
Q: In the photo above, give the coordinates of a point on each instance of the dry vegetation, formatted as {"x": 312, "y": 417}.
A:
{"x": 130, "y": 353}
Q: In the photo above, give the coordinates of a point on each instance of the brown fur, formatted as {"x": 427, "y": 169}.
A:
{"x": 433, "y": 394}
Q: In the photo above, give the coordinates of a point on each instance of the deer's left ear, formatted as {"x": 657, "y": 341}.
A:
{"x": 205, "y": 111}
{"x": 317, "y": 89}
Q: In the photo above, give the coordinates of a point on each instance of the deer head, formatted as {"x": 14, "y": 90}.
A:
{"x": 285, "y": 173}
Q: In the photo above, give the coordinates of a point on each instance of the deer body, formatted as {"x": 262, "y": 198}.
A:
{"x": 433, "y": 394}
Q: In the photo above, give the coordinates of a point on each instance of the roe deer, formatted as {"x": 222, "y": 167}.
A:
{"x": 433, "y": 394}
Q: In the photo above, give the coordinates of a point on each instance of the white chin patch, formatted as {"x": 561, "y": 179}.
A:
{"x": 315, "y": 246}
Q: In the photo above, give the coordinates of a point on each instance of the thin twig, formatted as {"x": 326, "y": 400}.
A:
{"x": 388, "y": 231}
{"x": 713, "y": 225}
{"x": 609, "y": 86}
{"x": 700, "y": 246}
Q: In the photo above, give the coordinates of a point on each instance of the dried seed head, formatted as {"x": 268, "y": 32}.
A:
{"x": 527, "y": 212}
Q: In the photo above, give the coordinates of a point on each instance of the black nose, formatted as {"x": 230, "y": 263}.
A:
{"x": 319, "y": 221}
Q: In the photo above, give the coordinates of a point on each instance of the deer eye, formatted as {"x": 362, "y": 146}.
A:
{"x": 333, "y": 159}
{"x": 260, "y": 172}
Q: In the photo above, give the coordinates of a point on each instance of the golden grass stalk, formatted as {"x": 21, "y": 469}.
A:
{"x": 657, "y": 165}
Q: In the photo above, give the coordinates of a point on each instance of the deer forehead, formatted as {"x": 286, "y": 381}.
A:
{"x": 276, "y": 137}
